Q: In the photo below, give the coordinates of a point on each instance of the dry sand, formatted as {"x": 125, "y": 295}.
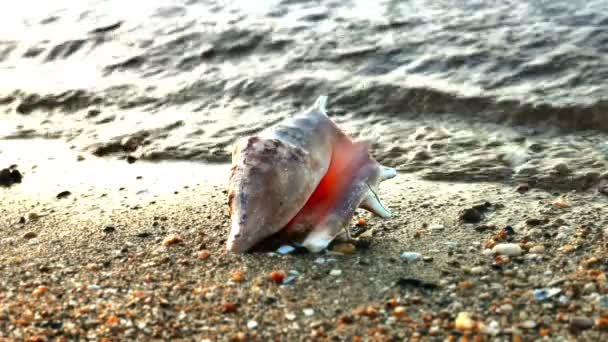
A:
{"x": 136, "y": 252}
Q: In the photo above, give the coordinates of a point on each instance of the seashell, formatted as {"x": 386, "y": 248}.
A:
{"x": 302, "y": 178}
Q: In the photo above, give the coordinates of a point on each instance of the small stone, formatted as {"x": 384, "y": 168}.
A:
{"x": 10, "y": 176}
{"x": 308, "y": 312}
{"x": 400, "y": 312}
{"x": 229, "y": 307}
{"x": 29, "y": 235}
{"x": 344, "y": 248}
{"x": 538, "y": 249}
{"x": 544, "y": 294}
{"x": 509, "y": 249}
{"x": 109, "y": 229}
{"x": 39, "y": 291}
{"x": 63, "y": 194}
{"x": 290, "y": 316}
{"x": 529, "y": 324}
{"x": 204, "y": 254}
{"x": 320, "y": 261}
{"x": 471, "y": 215}
{"x": 479, "y": 270}
{"x": 252, "y": 325}
{"x": 506, "y": 308}
{"x": 285, "y": 249}
{"x": 411, "y": 256}
{"x": 238, "y": 276}
{"x": 172, "y": 239}
{"x": 335, "y": 272}
{"x": 277, "y": 276}
{"x": 561, "y": 203}
{"x": 591, "y": 262}
{"x": 436, "y": 227}
{"x": 580, "y": 323}
{"x": 464, "y": 322}
{"x": 112, "y": 320}
{"x": 589, "y": 288}
{"x": 292, "y": 276}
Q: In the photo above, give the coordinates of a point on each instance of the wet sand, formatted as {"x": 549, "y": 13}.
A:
{"x": 136, "y": 251}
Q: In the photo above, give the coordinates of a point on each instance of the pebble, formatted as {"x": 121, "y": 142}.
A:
{"x": 509, "y": 249}
{"x": 436, "y": 227}
{"x": 320, "y": 261}
{"x": 252, "y": 325}
{"x": 290, "y": 316}
{"x": 335, "y": 272}
{"x": 488, "y": 252}
{"x": 479, "y": 270}
{"x": 581, "y": 323}
{"x": 538, "y": 249}
{"x": 493, "y": 328}
{"x": 506, "y": 308}
{"x": 277, "y": 276}
{"x": 344, "y": 248}
{"x": 204, "y": 254}
{"x": 29, "y": 235}
{"x": 172, "y": 239}
{"x": 308, "y": 312}
{"x": 292, "y": 276}
{"x": 411, "y": 256}
{"x": 589, "y": 288}
{"x": 529, "y": 324}
{"x": 561, "y": 203}
{"x": 546, "y": 293}
{"x": 285, "y": 249}
{"x": 464, "y": 322}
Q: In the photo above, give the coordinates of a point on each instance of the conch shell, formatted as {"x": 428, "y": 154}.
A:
{"x": 304, "y": 178}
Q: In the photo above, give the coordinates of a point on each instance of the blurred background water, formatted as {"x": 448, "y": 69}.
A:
{"x": 466, "y": 89}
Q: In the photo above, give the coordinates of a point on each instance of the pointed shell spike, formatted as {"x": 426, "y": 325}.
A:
{"x": 387, "y": 173}
{"x": 321, "y": 104}
{"x": 372, "y": 204}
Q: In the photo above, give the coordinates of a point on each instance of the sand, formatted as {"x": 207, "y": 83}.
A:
{"x": 136, "y": 252}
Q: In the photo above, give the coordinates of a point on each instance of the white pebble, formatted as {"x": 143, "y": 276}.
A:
{"x": 488, "y": 252}
{"x": 252, "y": 325}
{"x": 290, "y": 316}
{"x": 308, "y": 312}
{"x": 320, "y": 261}
{"x": 436, "y": 227}
{"x": 479, "y": 270}
{"x": 335, "y": 273}
{"x": 506, "y": 308}
{"x": 538, "y": 249}
{"x": 285, "y": 249}
{"x": 411, "y": 256}
{"x": 510, "y": 249}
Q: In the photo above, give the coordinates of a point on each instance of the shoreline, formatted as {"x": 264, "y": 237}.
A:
{"x": 124, "y": 257}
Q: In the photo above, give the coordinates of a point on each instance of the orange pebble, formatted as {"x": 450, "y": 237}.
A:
{"x": 172, "y": 239}
{"x": 238, "y": 276}
{"x": 41, "y": 290}
{"x": 204, "y": 254}
{"x": 277, "y": 276}
{"x": 112, "y": 320}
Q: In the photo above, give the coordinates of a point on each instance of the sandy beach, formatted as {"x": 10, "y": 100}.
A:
{"x": 136, "y": 252}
